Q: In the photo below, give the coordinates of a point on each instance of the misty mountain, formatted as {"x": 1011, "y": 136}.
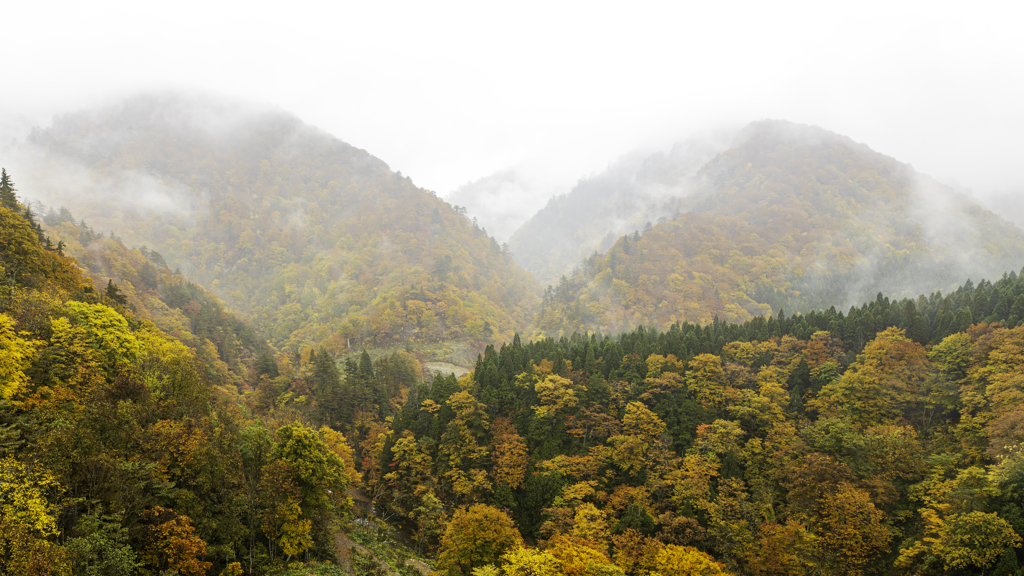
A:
{"x": 630, "y": 193}
{"x": 501, "y": 202}
{"x": 792, "y": 217}
{"x": 314, "y": 240}
{"x": 1009, "y": 205}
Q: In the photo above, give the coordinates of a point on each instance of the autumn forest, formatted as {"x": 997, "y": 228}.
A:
{"x": 247, "y": 347}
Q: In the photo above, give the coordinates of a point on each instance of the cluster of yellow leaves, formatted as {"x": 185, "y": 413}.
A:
{"x": 887, "y": 377}
{"x": 705, "y": 379}
{"x": 16, "y": 352}
{"x": 107, "y": 332}
{"x": 27, "y": 496}
{"x": 556, "y": 394}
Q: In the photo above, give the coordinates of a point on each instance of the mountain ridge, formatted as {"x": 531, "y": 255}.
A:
{"x": 795, "y": 217}
{"x": 372, "y": 258}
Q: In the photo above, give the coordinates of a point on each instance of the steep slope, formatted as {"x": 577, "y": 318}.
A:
{"x": 141, "y": 282}
{"x": 119, "y": 453}
{"x": 316, "y": 241}
{"x": 630, "y": 194}
{"x": 794, "y": 217}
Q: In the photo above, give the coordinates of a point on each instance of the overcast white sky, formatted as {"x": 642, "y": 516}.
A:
{"x": 450, "y": 92}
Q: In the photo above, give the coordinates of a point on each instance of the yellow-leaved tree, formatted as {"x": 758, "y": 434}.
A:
{"x": 509, "y": 453}
{"x": 636, "y": 447}
{"x": 108, "y": 333}
{"x": 16, "y": 352}
{"x": 475, "y": 537}
{"x": 26, "y": 496}
{"x": 530, "y": 562}
{"x": 705, "y": 379}
{"x": 686, "y": 561}
{"x": 28, "y": 519}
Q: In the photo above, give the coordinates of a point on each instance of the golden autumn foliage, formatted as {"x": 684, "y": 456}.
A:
{"x": 530, "y": 562}
{"x": 28, "y": 495}
{"x": 15, "y": 354}
{"x": 476, "y": 536}
{"x": 885, "y": 440}
{"x": 577, "y": 556}
{"x": 108, "y": 420}
{"x": 686, "y": 561}
{"x": 173, "y": 545}
{"x": 510, "y": 453}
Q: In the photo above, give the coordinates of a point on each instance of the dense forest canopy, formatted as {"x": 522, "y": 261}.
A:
{"x": 882, "y": 441}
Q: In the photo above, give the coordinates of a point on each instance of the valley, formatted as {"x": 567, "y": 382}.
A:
{"x": 773, "y": 351}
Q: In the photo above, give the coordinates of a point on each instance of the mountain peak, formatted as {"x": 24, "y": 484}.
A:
{"x": 261, "y": 207}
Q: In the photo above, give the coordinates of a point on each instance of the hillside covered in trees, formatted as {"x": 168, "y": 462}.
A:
{"x": 140, "y": 281}
{"x": 794, "y": 217}
{"x": 313, "y": 240}
{"x": 881, "y": 441}
{"x": 125, "y": 448}
{"x": 635, "y": 190}
{"x": 787, "y": 376}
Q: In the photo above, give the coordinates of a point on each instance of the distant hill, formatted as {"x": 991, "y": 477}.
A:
{"x": 314, "y": 240}
{"x": 631, "y": 193}
{"x": 792, "y": 217}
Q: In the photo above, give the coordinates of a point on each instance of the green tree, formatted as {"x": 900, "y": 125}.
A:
{"x": 7, "y": 197}
{"x": 102, "y": 547}
{"x": 114, "y": 294}
{"x": 974, "y": 540}
{"x": 319, "y": 472}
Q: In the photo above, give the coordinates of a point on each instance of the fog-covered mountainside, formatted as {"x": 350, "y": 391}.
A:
{"x": 632, "y": 192}
{"x": 313, "y": 239}
{"x": 503, "y": 201}
{"x": 795, "y": 217}
{"x": 1009, "y": 205}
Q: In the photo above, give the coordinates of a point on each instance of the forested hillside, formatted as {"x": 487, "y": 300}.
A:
{"x": 140, "y": 281}
{"x": 315, "y": 241}
{"x": 787, "y": 376}
{"x": 633, "y": 192}
{"x": 124, "y": 449}
{"x": 795, "y": 217}
{"x": 882, "y": 441}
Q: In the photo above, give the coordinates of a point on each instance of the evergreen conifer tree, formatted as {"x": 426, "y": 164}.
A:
{"x": 114, "y": 294}
{"x": 7, "y": 197}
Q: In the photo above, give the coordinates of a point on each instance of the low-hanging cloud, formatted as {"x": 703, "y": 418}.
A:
{"x": 107, "y": 201}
